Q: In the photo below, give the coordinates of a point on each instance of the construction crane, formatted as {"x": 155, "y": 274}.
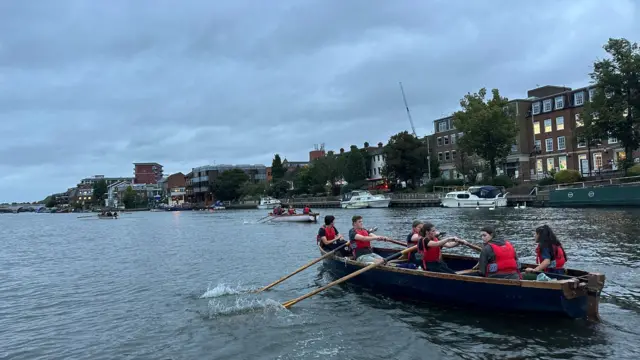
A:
{"x": 413, "y": 128}
{"x": 404, "y": 98}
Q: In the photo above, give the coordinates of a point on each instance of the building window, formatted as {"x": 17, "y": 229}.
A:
{"x": 578, "y": 98}
{"x": 439, "y": 156}
{"x": 539, "y": 166}
{"x": 550, "y": 164}
{"x": 439, "y": 141}
{"x": 548, "y": 144}
{"x": 612, "y": 140}
{"x": 460, "y": 135}
{"x": 559, "y": 102}
{"x": 446, "y": 156}
{"x": 538, "y": 145}
{"x": 535, "y": 108}
{"x": 453, "y": 155}
{"x": 514, "y": 148}
{"x": 546, "y": 105}
{"x": 562, "y": 163}
{"x": 561, "y": 143}
{"x": 446, "y": 140}
{"x": 536, "y": 127}
{"x": 592, "y": 94}
{"x": 453, "y": 138}
{"x": 443, "y": 126}
{"x": 579, "y": 121}
{"x": 547, "y": 126}
{"x": 560, "y": 123}
{"x": 581, "y": 143}
{"x": 597, "y": 161}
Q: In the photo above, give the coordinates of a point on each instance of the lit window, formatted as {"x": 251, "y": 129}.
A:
{"x": 562, "y": 163}
{"x": 536, "y": 127}
{"x": 550, "y": 164}
{"x": 539, "y": 166}
{"x": 547, "y": 126}
{"x": 560, "y": 123}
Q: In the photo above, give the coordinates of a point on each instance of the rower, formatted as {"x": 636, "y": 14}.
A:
{"x": 306, "y": 210}
{"x": 429, "y": 249}
{"x": 361, "y": 242}
{"x": 330, "y": 238}
{"x": 550, "y": 255}
{"x": 292, "y": 211}
{"x": 498, "y": 258}
{"x": 413, "y": 238}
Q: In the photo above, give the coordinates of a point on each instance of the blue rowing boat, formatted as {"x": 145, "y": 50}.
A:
{"x": 574, "y": 295}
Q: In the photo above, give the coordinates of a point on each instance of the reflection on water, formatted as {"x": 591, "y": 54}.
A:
{"x": 179, "y": 285}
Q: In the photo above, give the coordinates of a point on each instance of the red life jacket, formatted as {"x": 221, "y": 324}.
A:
{"x": 291, "y": 211}
{"x": 359, "y": 244}
{"x": 505, "y": 259}
{"x": 329, "y": 232}
{"x": 306, "y": 210}
{"x": 558, "y": 254}
{"x": 428, "y": 254}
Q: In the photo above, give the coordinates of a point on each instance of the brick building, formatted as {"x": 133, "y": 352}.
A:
{"x": 147, "y": 173}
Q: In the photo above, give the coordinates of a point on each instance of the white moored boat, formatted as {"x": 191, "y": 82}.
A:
{"x": 295, "y": 217}
{"x": 360, "y": 199}
{"x": 268, "y": 203}
{"x": 484, "y": 196}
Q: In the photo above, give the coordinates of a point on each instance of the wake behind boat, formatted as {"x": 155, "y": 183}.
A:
{"x": 575, "y": 295}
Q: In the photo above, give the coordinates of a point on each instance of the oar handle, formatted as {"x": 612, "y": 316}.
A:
{"x": 290, "y": 303}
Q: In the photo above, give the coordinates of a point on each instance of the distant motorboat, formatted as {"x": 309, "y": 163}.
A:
{"x": 483, "y": 196}
{"x": 268, "y": 203}
{"x": 360, "y": 199}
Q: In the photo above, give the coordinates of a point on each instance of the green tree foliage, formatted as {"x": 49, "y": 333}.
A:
{"x": 406, "y": 158}
{"x": 99, "y": 191}
{"x": 50, "y": 201}
{"x": 129, "y": 199}
{"x": 567, "y": 176}
{"x": 470, "y": 167}
{"x": 279, "y": 189}
{"x": 303, "y": 181}
{"x": 228, "y": 185}
{"x": 253, "y": 190}
{"x": 355, "y": 170}
{"x": 277, "y": 170}
{"x": 489, "y": 126}
{"x": 434, "y": 164}
{"x": 617, "y": 96}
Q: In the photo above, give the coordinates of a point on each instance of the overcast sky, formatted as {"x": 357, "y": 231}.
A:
{"x": 89, "y": 87}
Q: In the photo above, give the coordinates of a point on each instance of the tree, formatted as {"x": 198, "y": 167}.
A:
{"x": 617, "y": 95}
{"x": 302, "y": 181}
{"x": 129, "y": 199}
{"x": 277, "y": 170}
{"x": 228, "y": 185}
{"x": 279, "y": 189}
{"x": 434, "y": 171}
{"x": 355, "y": 169}
{"x": 588, "y": 131}
{"x": 99, "y": 190}
{"x": 489, "y": 127}
{"x": 469, "y": 166}
{"x": 50, "y": 201}
{"x": 406, "y": 157}
{"x": 327, "y": 169}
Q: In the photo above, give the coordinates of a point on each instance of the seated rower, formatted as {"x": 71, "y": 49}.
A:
{"x": 292, "y": 211}
{"x": 498, "y": 258}
{"x": 361, "y": 242}
{"x": 329, "y": 238}
{"x": 550, "y": 255}
{"x": 306, "y": 210}
{"x": 429, "y": 249}
{"x": 412, "y": 239}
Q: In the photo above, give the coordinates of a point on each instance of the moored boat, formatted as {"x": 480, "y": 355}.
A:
{"x": 575, "y": 295}
{"x": 313, "y": 217}
{"x": 483, "y": 196}
{"x": 107, "y": 217}
{"x": 268, "y": 203}
{"x": 360, "y": 199}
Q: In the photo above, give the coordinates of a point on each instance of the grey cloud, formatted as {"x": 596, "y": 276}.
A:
{"x": 90, "y": 87}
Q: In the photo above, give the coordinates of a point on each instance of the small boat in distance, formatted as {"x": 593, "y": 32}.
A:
{"x": 107, "y": 217}
{"x": 313, "y": 217}
{"x": 575, "y": 295}
{"x": 482, "y": 196}
{"x": 268, "y": 203}
{"x": 360, "y": 199}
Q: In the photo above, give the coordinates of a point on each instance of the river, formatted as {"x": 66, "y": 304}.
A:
{"x": 176, "y": 285}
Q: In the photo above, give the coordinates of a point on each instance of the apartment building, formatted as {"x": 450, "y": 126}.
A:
{"x": 200, "y": 179}
{"x": 443, "y": 144}
{"x": 555, "y": 121}
{"x": 147, "y": 173}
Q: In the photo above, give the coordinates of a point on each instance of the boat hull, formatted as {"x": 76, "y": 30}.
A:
{"x": 383, "y": 203}
{"x": 484, "y": 203}
{"x": 295, "y": 218}
{"x": 107, "y": 217}
{"x": 562, "y": 297}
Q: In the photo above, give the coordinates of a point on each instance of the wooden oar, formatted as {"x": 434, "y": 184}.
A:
{"x": 266, "y": 217}
{"x": 86, "y": 216}
{"x": 302, "y": 268}
{"x": 290, "y": 303}
{"x": 474, "y": 247}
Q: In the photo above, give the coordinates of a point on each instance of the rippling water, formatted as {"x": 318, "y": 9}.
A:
{"x": 176, "y": 286}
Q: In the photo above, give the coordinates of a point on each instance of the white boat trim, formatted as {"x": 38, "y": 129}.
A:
{"x": 475, "y": 197}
